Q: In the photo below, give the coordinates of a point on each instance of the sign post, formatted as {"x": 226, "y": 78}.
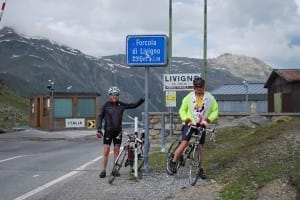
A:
{"x": 146, "y": 51}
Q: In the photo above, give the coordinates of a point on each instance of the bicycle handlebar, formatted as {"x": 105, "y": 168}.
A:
{"x": 132, "y": 137}
{"x": 202, "y": 128}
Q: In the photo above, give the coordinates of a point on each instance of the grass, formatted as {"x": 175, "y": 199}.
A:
{"x": 245, "y": 159}
{"x": 14, "y": 110}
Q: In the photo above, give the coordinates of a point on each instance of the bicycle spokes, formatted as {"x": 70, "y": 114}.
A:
{"x": 170, "y": 156}
{"x": 194, "y": 166}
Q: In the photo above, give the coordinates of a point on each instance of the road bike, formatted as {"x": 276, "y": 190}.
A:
{"x": 190, "y": 155}
{"x": 133, "y": 152}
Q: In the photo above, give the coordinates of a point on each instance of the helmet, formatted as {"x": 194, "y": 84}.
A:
{"x": 198, "y": 81}
{"x": 114, "y": 91}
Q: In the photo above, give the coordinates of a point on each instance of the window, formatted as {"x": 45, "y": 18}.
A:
{"x": 86, "y": 107}
{"x": 62, "y": 108}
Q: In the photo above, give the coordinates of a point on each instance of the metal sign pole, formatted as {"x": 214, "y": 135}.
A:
{"x": 146, "y": 51}
{"x": 162, "y": 133}
{"x": 135, "y": 148}
{"x": 147, "y": 144}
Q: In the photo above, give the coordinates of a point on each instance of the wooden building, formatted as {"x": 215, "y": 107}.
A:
{"x": 64, "y": 110}
{"x": 284, "y": 90}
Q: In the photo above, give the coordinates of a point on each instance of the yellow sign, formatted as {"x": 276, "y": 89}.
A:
{"x": 170, "y": 98}
{"x": 91, "y": 124}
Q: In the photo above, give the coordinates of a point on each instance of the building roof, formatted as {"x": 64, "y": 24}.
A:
{"x": 69, "y": 94}
{"x": 76, "y": 94}
{"x": 289, "y": 75}
{"x": 237, "y": 92}
{"x": 253, "y": 88}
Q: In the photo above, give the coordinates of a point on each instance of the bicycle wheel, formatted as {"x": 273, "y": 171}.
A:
{"x": 170, "y": 156}
{"x": 194, "y": 165}
{"x": 118, "y": 164}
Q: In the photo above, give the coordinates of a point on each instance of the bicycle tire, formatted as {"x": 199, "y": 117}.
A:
{"x": 170, "y": 156}
{"x": 194, "y": 165}
{"x": 118, "y": 164}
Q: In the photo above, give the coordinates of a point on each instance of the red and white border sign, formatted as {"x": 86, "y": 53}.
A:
{"x": 2, "y": 9}
{"x": 177, "y": 82}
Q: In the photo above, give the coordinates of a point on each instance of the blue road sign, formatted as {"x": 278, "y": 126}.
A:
{"x": 146, "y": 50}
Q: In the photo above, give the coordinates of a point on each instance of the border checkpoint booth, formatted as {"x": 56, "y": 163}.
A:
{"x": 64, "y": 110}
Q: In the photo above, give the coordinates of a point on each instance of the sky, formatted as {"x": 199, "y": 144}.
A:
{"x": 266, "y": 29}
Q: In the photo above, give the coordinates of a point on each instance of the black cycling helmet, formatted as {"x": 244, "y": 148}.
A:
{"x": 198, "y": 81}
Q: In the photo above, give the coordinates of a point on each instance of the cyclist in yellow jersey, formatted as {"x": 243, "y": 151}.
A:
{"x": 198, "y": 108}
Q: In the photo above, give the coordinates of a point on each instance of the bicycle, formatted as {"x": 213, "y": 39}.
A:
{"x": 191, "y": 153}
{"x": 134, "y": 145}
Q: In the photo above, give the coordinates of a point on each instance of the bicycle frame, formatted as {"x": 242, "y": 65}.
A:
{"x": 186, "y": 152}
{"x": 135, "y": 147}
{"x": 191, "y": 152}
{"x": 132, "y": 145}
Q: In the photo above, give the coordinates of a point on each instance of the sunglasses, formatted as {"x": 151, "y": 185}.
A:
{"x": 198, "y": 87}
{"x": 114, "y": 94}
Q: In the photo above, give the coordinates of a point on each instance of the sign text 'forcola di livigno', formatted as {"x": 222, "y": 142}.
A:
{"x": 146, "y": 50}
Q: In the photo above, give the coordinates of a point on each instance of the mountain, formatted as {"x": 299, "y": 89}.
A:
{"x": 13, "y": 109}
{"x": 27, "y": 63}
{"x": 243, "y": 67}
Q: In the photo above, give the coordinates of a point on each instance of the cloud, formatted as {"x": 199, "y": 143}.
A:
{"x": 265, "y": 29}
{"x": 262, "y": 29}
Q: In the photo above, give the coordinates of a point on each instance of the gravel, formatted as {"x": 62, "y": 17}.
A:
{"x": 159, "y": 186}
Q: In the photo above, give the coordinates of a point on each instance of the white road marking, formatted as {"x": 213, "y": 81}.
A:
{"x": 7, "y": 159}
{"x": 49, "y": 184}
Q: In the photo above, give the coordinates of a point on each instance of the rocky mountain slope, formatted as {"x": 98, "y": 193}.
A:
{"x": 26, "y": 65}
{"x": 243, "y": 67}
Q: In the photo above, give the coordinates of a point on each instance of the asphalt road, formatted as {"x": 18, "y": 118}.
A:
{"x": 32, "y": 163}
{"x": 65, "y": 166}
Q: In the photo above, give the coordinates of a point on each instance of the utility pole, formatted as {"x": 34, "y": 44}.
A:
{"x": 205, "y": 41}
{"x": 51, "y": 90}
{"x": 245, "y": 83}
{"x": 170, "y": 60}
{"x": 170, "y": 37}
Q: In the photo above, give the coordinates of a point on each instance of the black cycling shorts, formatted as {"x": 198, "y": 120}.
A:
{"x": 187, "y": 133}
{"x": 115, "y": 137}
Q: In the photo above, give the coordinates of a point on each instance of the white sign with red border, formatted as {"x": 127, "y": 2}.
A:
{"x": 177, "y": 82}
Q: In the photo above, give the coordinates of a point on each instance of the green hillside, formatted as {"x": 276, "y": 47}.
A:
{"x": 14, "y": 110}
{"x": 249, "y": 162}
